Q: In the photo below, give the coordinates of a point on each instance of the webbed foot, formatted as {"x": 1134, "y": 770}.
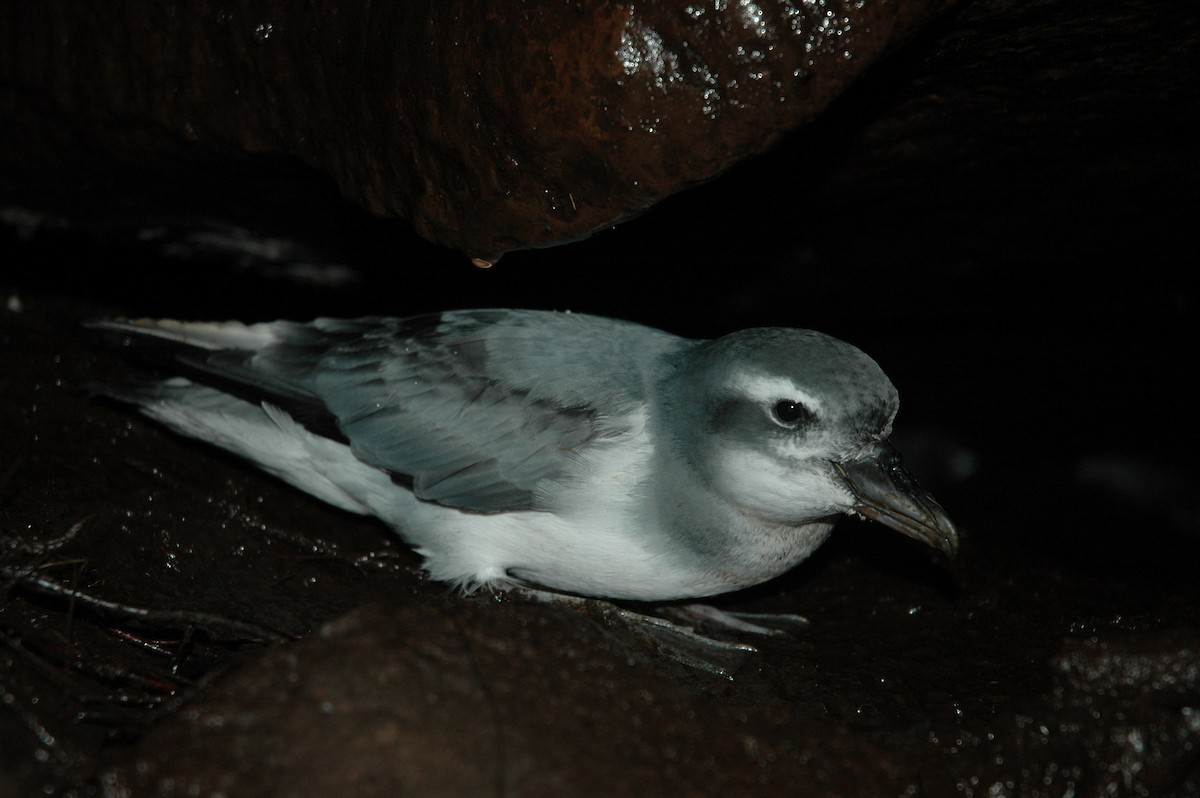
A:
{"x": 680, "y": 639}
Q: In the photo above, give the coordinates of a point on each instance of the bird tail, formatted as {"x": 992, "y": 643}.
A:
{"x": 216, "y": 354}
{"x": 200, "y": 335}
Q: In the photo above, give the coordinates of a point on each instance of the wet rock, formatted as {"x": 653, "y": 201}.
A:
{"x": 1163, "y": 667}
{"x": 443, "y": 698}
{"x": 1129, "y": 722}
{"x": 1002, "y": 217}
{"x": 490, "y": 127}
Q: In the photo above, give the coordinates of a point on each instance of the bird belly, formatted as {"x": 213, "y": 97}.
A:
{"x": 594, "y": 534}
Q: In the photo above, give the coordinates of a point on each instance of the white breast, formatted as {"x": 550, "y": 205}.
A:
{"x": 592, "y": 538}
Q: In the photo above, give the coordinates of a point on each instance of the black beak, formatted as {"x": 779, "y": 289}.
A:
{"x": 885, "y": 492}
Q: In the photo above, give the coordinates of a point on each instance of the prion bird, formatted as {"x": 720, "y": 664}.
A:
{"x": 566, "y": 451}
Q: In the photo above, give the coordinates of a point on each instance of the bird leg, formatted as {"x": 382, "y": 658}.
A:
{"x": 765, "y": 624}
{"x": 678, "y": 641}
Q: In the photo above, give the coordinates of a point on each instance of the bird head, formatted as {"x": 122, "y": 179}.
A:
{"x": 791, "y": 426}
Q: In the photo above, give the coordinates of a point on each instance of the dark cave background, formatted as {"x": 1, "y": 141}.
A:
{"x": 1000, "y": 213}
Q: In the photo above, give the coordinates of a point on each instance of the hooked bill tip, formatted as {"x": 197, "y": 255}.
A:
{"x": 887, "y": 494}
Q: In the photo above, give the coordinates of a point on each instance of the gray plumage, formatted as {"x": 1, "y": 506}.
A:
{"x": 574, "y": 452}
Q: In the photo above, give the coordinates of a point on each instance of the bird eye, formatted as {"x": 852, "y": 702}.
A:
{"x": 791, "y": 414}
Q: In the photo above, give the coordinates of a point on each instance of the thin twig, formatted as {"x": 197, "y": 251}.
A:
{"x": 37, "y": 583}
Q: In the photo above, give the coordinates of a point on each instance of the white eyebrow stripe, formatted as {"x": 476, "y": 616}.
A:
{"x": 773, "y": 388}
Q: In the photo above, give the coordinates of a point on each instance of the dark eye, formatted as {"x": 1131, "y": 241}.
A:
{"x": 791, "y": 414}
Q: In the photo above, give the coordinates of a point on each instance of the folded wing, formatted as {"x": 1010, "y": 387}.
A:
{"x": 473, "y": 409}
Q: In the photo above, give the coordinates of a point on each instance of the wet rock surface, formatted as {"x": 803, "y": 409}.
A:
{"x": 490, "y": 127}
{"x": 1000, "y": 215}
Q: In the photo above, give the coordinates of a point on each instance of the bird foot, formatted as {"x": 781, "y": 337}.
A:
{"x": 679, "y": 640}
{"x": 765, "y": 624}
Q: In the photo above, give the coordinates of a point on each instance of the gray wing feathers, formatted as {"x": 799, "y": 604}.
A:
{"x": 487, "y": 454}
{"x": 476, "y": 408}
